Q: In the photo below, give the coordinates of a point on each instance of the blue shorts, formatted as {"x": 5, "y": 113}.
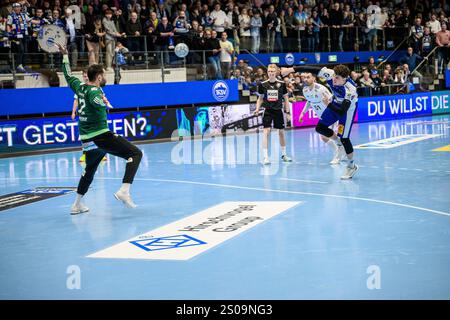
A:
{"x": 330, "y": 116}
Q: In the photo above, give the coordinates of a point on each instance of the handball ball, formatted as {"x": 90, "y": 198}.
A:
{"x": 181, "y": 50}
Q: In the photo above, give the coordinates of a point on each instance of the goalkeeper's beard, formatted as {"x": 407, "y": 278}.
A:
{"x": 103, "y": 83}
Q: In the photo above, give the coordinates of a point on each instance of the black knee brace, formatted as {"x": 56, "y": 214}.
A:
{"x": 324, "y": 130}
{"x": 347, "y": 145}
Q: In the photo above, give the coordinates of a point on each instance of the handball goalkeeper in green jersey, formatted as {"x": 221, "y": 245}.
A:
{"x": 97, "y": 140}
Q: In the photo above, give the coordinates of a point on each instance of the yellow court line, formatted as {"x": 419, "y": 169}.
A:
{"x": 445, "y": 148}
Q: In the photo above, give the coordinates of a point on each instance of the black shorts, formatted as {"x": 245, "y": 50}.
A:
{"x": 275, "y": 116}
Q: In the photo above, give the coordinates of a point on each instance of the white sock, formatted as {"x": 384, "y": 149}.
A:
{"x": 332, "y": 145}
{"x": 351, "y": 163}
{"x": 78, "y": 199}
{"x": 125, "y": 188}
{"x": 337, "y": 141}
{"x": 283, "y": 151}
{"x": 266, "y": 153}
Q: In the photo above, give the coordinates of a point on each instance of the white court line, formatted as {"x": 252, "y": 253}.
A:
{"x": 300, "y": 180}
{"x": 442, "y": 213}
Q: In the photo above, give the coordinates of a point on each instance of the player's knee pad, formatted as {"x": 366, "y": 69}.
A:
{"x": 347, "y": 145}
{"x": 324, "y": 130}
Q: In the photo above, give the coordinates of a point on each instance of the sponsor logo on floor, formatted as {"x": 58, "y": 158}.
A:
{"x": 17, "y": 199}
{"x": 195, "y": 234}
{"x": 396, "y": 141}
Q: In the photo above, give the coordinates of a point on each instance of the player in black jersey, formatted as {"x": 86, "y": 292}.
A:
{"x": 272, "y": 94}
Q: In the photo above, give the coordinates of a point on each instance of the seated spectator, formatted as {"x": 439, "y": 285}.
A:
{"x": 399, "y": 76}
{"x": 376, "y": 81}
{"x": 367, "y": 83}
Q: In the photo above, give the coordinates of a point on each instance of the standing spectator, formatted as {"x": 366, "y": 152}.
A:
{"x": 56, "y": 18}
{"x": 361, "y": 30}
{"x": 73, "y": 36}
{"x": 443, "y": 42}
{"x": 150, "y": 31}
{"x": 373, "y": 25}
{"x": 390, "y": 27}
{"x": 207, "y": 21}
{"x": 416, "y": 34}
{"x": 120, "y": 21}
{"x": 300, "y": 23}
{"x": 244, "y": 24}
{"x": 36, "y": 25}
{"x": 94, "y": 40}
{"x": 181, "y": 27}
{"x": 291, "y": 34}
{"x": 279, "y": 34}
{"x": 346, "y": 30}
{"x": 17, "y": 27}
{"x": 134, "y": 30}
{"x": 110, "y": 38}
{"x": 336, "y": 18}
{"x": 226, "y": 55}
{"x": 324, "y": 39}
{"x": 255, "y": 31}
{"x": 434, "y": 24}
{"x": 427, "y": 42}
{"x": 270, "y": 24}
{"x": 220, "y": 19}
{"x": 411, "y": 59}
{"x": 164, "y": 32}
{"x": 212, "y": 51}
{"x": 309, "y": 34}
{"x": 317, "y": 24}
{"x": 161, "y": 10}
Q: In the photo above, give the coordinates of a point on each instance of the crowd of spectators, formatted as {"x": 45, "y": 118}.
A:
{"x": 223, "y": 27}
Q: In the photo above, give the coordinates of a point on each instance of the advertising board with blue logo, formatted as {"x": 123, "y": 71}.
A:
{"x": 54, "y": 100}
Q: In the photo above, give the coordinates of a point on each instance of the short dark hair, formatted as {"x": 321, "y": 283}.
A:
{"x": 94, "y": 70}
{"x": 342, "y": 70}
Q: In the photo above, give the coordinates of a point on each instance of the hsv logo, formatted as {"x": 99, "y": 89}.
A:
{"x": 289, "y": 59}
{"x": 220, "y": 91}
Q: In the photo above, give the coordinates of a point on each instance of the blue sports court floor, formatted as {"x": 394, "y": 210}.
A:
{"x": 383, "y": 235}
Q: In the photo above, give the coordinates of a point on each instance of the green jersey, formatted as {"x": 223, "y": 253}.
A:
{"x": 92, "y": 115}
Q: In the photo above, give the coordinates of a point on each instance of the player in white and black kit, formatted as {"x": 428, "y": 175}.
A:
{"x": 272, "y": 94}
{"x": 318, "y": 97}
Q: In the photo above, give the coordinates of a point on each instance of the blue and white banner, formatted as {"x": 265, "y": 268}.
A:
{"x": 402, "y": 106}
{"x": 57, "y": 100}
{"x": 62, "y": 132}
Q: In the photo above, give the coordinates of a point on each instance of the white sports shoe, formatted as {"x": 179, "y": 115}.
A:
{"x": 349, "y": 172}
{"x": 266, "y": 161}
{"x": 125, "y": 198}
{"x": 285, "y": 158}
{"x": 338, "y": 156}
{"x": 78, "y": 208}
